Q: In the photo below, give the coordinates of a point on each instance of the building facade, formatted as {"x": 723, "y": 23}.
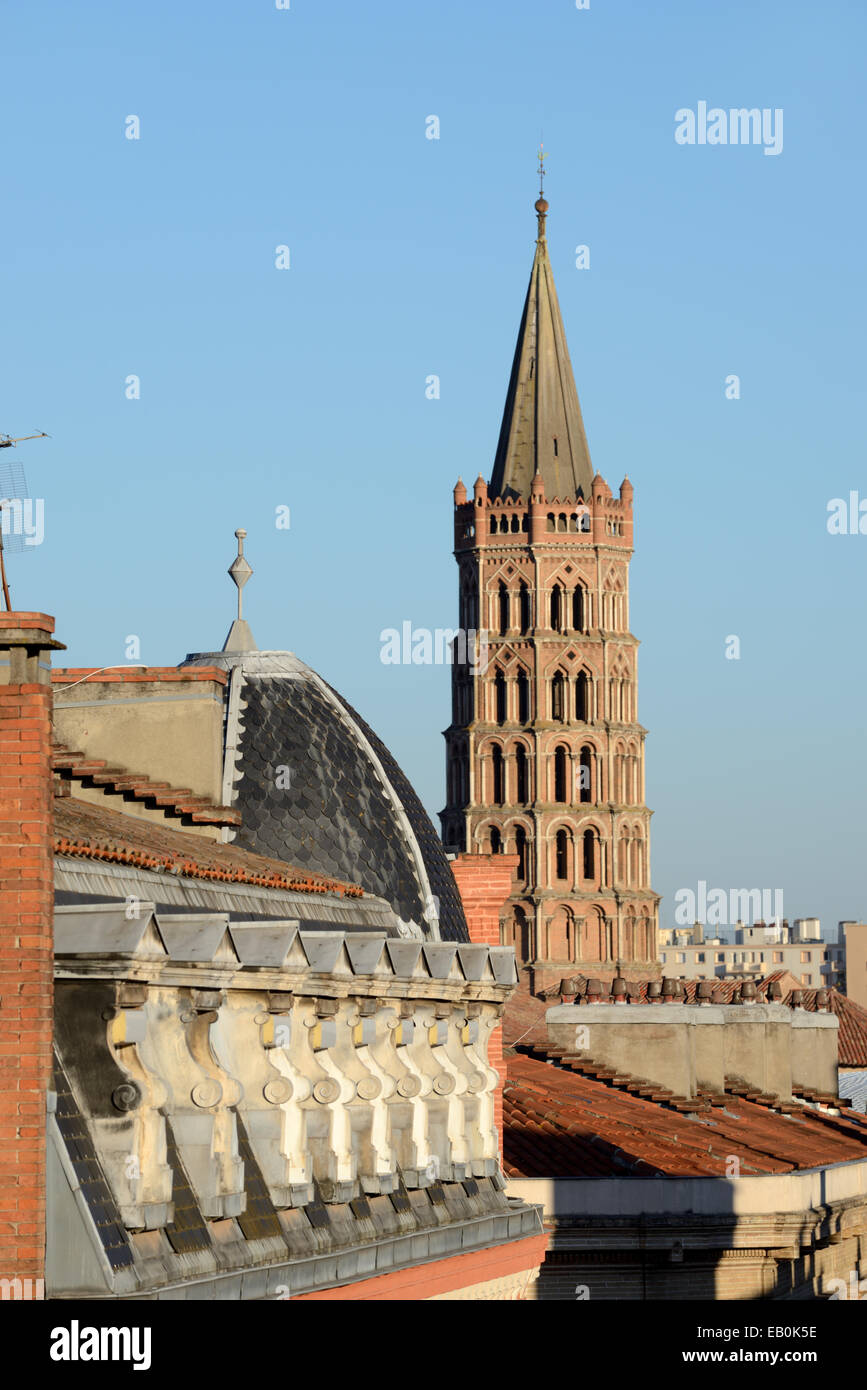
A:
{"x": 687, "y": 954}
{"x": 545, "y": 754}
{"x": 854, "y": 938}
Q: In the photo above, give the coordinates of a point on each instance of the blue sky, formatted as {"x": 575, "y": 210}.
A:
{"x": 306, "y": 387}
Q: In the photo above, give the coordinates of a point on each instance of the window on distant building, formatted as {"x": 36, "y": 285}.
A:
{"x": 521, "y": 772}
{"x": 500, "y": 697}
{"x": 556, "y": 608}
{"x": 521, "y": 851}
{"x": 806, "y": 957}
{"x": 681, "y": 958}
{"x": 720, "y": 957}
{"x": 778, "y": 958}
{"x": 524, "y": 607}
{"x": 523, "y": 698}
{"x": 700, "y": 957}
{"x": 560, "y": 766}
{"x": 805, "y": 979}
{"x": 504, "y": 609}
{"x": 558, "y": 711}
{"x": 562, "y": 854}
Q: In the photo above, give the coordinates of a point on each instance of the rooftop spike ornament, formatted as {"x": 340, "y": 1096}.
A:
{"x": 541, "y": 205}
{"x": 240, "y": 638}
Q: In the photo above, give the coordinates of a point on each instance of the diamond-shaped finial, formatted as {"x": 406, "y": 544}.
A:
{"x": 240, "y": 568}
{"x": 240, "y": 638}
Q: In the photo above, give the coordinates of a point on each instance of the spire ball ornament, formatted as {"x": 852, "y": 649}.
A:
{"x": 240, "y": 638}
{"x": 240, "y": 568}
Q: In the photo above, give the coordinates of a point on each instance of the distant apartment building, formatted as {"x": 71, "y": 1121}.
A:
{"x": 758, "y": 950}
{"x": 854, "y": 937}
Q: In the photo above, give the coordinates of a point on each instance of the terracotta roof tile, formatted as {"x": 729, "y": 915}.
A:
{"x": 561, "y": 1123}
{"x": 180, "y": 801}
{"x": 89, "y": 831}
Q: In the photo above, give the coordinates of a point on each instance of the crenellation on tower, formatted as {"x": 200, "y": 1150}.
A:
{"x": 545, "y": 753}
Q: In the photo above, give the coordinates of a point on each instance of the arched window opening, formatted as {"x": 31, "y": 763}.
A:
{"x": 556, "y": 608}
{"x": 586, "y": 774}
{"x": 521, "y": 851}
{"x": 521, "y": 770}
{"x": 578, "y": 609}
{"x": 516, "y": 525}
{"x": 524, "y": 607}
{"x": 523, "y": 698}
{"x": 493, "y": 525}
{"x": 500, "y": 697}
{"x": 496, "y": 841}
{"x": 561, "y": 521}
{"x": 582, "y": 696}
{"x": 560, "y": 762}
{"x": 636, "y": 864}
{"x": 562, "y": 854}
{"x": 589, "y": 855}
{"x": 504, "y": 609}
{"x": 499, "y": 775}
{"x": 551, "y": 522}
{"x": 558, "y": 702}
{"x": 623, "y": 860}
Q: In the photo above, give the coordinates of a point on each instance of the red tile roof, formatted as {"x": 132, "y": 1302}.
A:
{"x": 558, "y": 1122}
{"x": 90, "y": 831}
{"x": 174, "y": 801}
{"x": 852, "y": 1037}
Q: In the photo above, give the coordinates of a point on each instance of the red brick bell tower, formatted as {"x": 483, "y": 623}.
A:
{"x": 545, "y": 754}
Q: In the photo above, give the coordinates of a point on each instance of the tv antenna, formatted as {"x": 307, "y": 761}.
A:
{"x": 13, "y": 488}
{"x": 7, "y": 442}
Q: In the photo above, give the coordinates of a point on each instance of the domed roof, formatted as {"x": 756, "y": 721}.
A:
{"x": 318, "y": 789}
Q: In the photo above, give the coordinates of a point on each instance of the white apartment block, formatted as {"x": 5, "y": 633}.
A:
{"x": 758, "y": 951}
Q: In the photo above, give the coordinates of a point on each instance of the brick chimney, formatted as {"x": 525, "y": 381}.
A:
{"x": 484, "y": 883}
{"x": 26, "y": 941}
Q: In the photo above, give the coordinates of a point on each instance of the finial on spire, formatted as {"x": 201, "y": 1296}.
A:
{"x": 541, "y": 205}
{"x": 240, "y": 568}
{"x": 240, "y": 637}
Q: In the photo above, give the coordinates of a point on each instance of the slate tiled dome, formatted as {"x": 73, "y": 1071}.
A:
{"x": 317, "y": 788}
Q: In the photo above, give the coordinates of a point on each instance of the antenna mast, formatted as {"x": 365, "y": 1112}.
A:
{"x": 7, "y": 442}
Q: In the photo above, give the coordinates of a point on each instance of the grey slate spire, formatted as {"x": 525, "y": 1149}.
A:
{"x": 240, "y": 638}
{"x": 542, "y": 429}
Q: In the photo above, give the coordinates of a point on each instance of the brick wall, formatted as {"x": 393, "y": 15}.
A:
{"x": 26, "y": 936}
{"x": 484, "y": 883}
